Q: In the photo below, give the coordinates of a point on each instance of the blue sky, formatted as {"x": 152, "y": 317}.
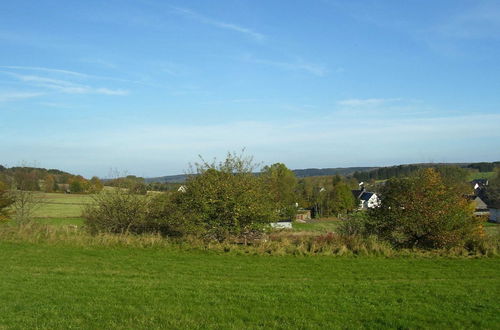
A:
{"x": 143, "y": 87}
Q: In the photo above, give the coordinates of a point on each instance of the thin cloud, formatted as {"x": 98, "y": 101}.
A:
{"x": 299, "y": 65}
{"x": 69, "y": 72}
{"x": 366, "y": 102}
{"x": 64, "y": 86}
{"x": 13, "y": 96}
{"x": 223, "y": 25}
{"x": 481, "y": 22}
{"x": 34, "y": 68}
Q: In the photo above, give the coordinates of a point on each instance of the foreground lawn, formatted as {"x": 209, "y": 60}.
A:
{"x": 44, "y": 286}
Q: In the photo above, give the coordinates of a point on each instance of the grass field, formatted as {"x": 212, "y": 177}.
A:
{"x": 61, "y": 205}
{"x": 59, "y": 287}
{"x": 481, "y": 175}
{"x": 317, "y": 226}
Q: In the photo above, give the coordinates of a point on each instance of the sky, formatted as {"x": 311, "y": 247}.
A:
{"x": 143, "y": 87}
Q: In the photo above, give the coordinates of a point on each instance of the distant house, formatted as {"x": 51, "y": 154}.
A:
{"x": 63, "y": 187}
{"x": 479, "y": 185}
{"x": 480, "y": 207}
{"x": 366, "y": 199}
{"x": 303, "y": 215}
{"x": 182, "y": 189}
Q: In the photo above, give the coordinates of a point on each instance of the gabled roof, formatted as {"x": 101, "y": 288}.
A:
{"x": 483, "y": 182}
{"x": 366, "y": 196}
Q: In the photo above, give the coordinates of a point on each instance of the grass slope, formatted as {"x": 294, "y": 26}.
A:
{"x": 50, "y": 286}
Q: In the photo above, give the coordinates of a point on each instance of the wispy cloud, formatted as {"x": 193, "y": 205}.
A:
{"x": 223, "y": 25}
{"x": 64, "y": 86}
{"x": 366, "y": 102}
{"x": 13, "y": 96}
{"x": 480, "y": 22}
{"x": 297, "y": 65}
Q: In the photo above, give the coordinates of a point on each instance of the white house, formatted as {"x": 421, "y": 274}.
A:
{"x": 366, "y": 199}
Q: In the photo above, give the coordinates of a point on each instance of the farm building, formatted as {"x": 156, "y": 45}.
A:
{"x": 480, "y": 207}
{"x": 303, "y": 215}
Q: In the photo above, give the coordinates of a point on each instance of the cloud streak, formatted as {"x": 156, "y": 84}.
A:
{"x": 64, "y": 86}
{"x": 366, "y": 102}
{"x": 298, "y": 65}
{"x": 188, "y": 13}
{"x": 13, "y": 96}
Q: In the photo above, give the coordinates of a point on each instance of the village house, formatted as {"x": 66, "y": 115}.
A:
{"x": 366, "y": 199}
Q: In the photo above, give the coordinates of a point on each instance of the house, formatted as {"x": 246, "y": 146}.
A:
{"x": 479, "y": 185}
{"x": 303, "y": 215}
{"x": 480, "y": 207}
{"x": 182, "y": 189}
{"x": 63, "y": 187}
{"x": 366, "y": 199}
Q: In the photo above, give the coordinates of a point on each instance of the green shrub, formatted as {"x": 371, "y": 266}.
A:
{"x": 227, "y": 199}
{"x": 5, "y": 203}
{"x": 420, "y": 212}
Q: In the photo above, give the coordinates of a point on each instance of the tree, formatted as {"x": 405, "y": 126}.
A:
{"x": 342, "y": 199}
{"x": 422, "y": 211}
{"x": 492, "y": 195}
{"x": 25, "y": 204}
{"x": 281, "y": 183}
{"x": 95, "y": 185}
{"x": 5, "y": 203}
{"x": 226, "y": 198}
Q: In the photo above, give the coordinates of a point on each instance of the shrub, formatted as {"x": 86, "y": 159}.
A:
{"x": 423, "y": 212}
{"x": 5, "y": 203}
{"x": 227, "y": 199}
{"x": 116, "y": 211}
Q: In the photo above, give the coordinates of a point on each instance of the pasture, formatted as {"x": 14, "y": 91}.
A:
{"x": 54, "y": 205}
{"x": 63, "y": 286}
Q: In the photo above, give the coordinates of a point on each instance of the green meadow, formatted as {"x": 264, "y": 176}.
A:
{"x": 59, "y": 284}
{"x": 53, "y": 205}
{"x": 63, "y": 286}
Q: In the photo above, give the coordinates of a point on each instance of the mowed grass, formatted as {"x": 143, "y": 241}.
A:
{"x": 61, "y": 205}
{"x": 317, "y": 226}
{"x": 59, "y": 287}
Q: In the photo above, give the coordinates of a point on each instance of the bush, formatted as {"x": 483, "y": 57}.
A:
{"x": 121, "y": 211}
{"x": 227, "y": 199}
{"x": 423, "y": 212}
{"x": 5, "y": 203}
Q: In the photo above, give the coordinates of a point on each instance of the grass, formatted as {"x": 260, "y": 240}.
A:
{"x": 56, "y": 287}
{"x": 317, "y": 226}
{"x": 60, "y": 221}
{"x": 480, "y": 175}
{"x": 62, "y": 205}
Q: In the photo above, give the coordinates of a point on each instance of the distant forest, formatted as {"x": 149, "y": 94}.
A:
{"x": 384, "y": 173}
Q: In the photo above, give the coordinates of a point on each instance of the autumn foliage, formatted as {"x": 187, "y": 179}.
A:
{"x": 422, "y": 211}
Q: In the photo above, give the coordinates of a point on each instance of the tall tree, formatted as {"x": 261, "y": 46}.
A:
{"x": 281, "y": 183}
